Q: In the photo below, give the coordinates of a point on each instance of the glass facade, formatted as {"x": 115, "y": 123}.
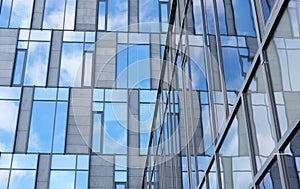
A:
{"x": 149, "y": 94}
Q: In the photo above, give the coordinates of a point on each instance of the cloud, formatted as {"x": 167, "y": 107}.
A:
{"x": 8, "y": 115}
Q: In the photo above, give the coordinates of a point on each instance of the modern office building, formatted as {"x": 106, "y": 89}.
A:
{"x": 149, "y": 94}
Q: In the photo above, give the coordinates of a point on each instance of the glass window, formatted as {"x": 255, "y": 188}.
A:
{"x": 19, "y": 67}
{"x": 292, "y": 160}
{"x": 260, "y": 118}
{"x": 21, "y": 14}
{"x": 5, "y": 12}
{"x": 271, "y": 179}
{"x": 71, "y": 64}
{"x": 97, "y": 130}
{"x": 234, "y": 155}
{"x": 88, "y": 64}
{"x": 148, "y": 16}
{"x": 37, "y": 63}
{"x": 267, "y": 6}
{"x": 197, "y": 17}
{"x": 284, "y": 54}
{"x": 117, "y": 17}
{"x": 62, "y": 179}
{"x": 48, "y": 121}
{"x": 9, "y": 109}
{"x": 164, "y": 14}
{"x": 115, "y": 128}
{"x": 22, "y": 179}
{"x": 101, "y": 15}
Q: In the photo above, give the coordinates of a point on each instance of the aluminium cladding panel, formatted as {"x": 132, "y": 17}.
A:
{"x": 56, "y": 45}
{"x": 43, "y": 171}
{"x": 133, "y": 15}
{"x": 101, "y": 171}
{"x": 24, "y": 120}
{"x": 105, "y": 65}
{"x": 38, "y": 11}
{"x": 133, "y": 123}
{"x": 79, "y": 121}
{"x": 8, "y": 41}
{"x": 86, "y": 15}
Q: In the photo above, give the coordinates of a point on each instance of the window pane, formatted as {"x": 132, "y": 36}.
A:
{"x": 234, "y": 155}
{"x": 284, "y": 54}
{"x": 22, "y": 179}
{"x": 88, "y": 63}
{"x": 62, "y": 179}
{"x": 71, "y": 64}
{"x": 139, "y": 66}
{"x": 5, "y": 160}
{"x": 122, "y": 66}
{"x": 45, "y": 93}
{"x": 115, "y": 128}
{"x": 8, "y": 116}
{"x": 54, "y": 14}
{"x": 70, "y": 14}
{"x": 267, "y": 6}
{"x": 4, "y": 178}
{"x": 261, "y": 120}
{"x": 148, "y": 16}
{"x": 82, "y": 162}
{"x": 19, "y": 67}
{"x": 5, "y": 13}
{"x": 25, "y": 161}
{"x": 120, "y": 176}
{"x": 271, "y": 179}
{"x": 60, "y": 127}
{"x": 63, "y": 162}
{"x": 21, "y": 14}
{"x": 41, "y": 127}
{"x": 101, "y": 15}
{"x": 37, "y": 63}
{"x": 117, "y": 18}
{"x": 82, "y": 179}
{"x": 97, "y": 132}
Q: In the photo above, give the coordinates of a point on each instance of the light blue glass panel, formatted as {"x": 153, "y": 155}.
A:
{"x": 115, "y": 128}
{"x": 63, "y": 94}
{"x": 21, "y": 14}
{"x": 45, "y": 93}
{"x": 24, "y": 161}
{"x": 71, "y": 64}
{"x": 82, "y": 179}
{"x": 10, "y": 93}
{"x": 146, "y": 118}
{"x": 54, "y": 14}
{"x": 197, "y": 17}
{"x": 8, "y": 116}
{"x": 63, "y": 162}
{"x": 19, "y": 67}
{"x": 117, "y": 16}
{"x": 70, "y": 14}
{"x": 98, "y": 95}
{"x": 4, "y": 174}
{"x": 164, "y": 16}
{"x": 243, "y": 18}
{"x": 198, "y": 71}
{"x": 37, "y": 63}
{"x": 60, "y": 127}
{"x": 101, "y": 15}
{"x": 120, "y": 176}
{"x": 221, "y": 16}
{"x": 148, "y": 16}
{"x": 139, "y": 66}
{"x": 22, "y": 179}
{"x": 5, "y": 160}
{"x": 116, "y": 95}
{"x": 62, "y": 179}
{"x": 122, "y": 58}
{"x": 5, "y": 13}
{"x": 82, "y": 162}
{"x": 97, "y": 132}
{"x": 41, "y": 127}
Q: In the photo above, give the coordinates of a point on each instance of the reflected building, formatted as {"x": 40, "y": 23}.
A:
{"x": 149, "y": 94}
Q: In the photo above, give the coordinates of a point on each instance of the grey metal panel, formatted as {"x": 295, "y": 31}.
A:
{"x": 105, "y": 64}
{"x": 37, "y": 18}
{"x": 54, "y": 65}
{"x": 101, "y": 171}
{"x": 8, "y": 41}
{"x": 24, "y": 120}
{"x": 133, "y": 15}
{"x": 79, "y": 121}
{"x": 86, "y": 14}
{"x": 43, "y": 171}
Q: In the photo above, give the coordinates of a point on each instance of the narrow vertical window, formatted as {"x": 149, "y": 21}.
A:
{"x": 101, "y": 15}
{"x": 21, "y": 14}
{"x": 18, "y": 73}
{"x": 117, "y": 16}
{"x": 70, "y": 14}
{"x": 88, "y": 64}
{"x": 164, "y": 17}
{"x": 97, "y": 132}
